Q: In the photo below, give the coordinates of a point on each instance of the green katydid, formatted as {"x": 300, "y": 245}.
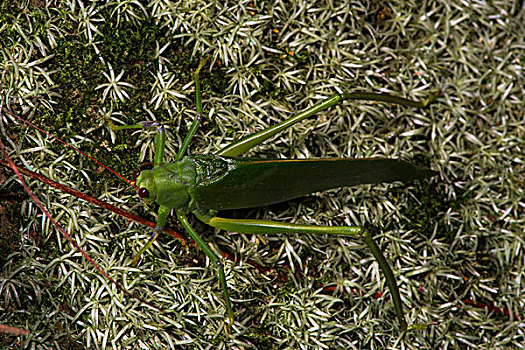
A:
{"x": 206, "y": 184}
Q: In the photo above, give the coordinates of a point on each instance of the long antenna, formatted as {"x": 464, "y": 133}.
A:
{"x": 68, "y": 237}
{"x": 66, "y": 144}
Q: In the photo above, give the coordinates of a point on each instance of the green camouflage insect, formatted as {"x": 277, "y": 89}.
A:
{"x": 206, "y": 184}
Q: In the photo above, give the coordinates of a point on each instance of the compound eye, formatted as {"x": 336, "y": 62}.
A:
{"x": 143, "y": 192}
{"x": 136, "y": 175}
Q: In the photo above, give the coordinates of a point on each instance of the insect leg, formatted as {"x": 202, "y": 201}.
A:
{"x": 161, "y": 136}
{"x": 160, "y": 140}
{"x": 240, "y": 146}
{"x": 162, "y": 216}
{"x": 195, "y": 125}
{"x": 273, "y": 227}
{"x": 181, "y": 215}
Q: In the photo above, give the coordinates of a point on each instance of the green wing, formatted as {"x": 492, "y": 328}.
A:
{"x": 234, "y": 183}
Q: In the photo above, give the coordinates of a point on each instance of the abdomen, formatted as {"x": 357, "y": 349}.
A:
{"x": 250, "y": 182}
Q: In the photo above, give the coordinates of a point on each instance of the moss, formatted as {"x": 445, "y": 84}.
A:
{"x": 453, "y": 238}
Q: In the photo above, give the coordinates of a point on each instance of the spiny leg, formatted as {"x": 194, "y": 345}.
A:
{"x": 195, "y": 125}
{"x": 271, "y": 227}
{"x": 181, "y": 215}
{"x": 162, "y": 216}
{"x": 160, "y": 139}
{"x": 240, "y": 146}
{"x": 160, "y": 142}
{"x": 163, "y": 212}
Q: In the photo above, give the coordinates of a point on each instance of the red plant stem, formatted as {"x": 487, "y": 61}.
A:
{"x": 132, "y": 217}
{"x": 493, "y": 308}
{"x": 281, "y": 276}
{"x": 95, "y": 201}
{"x": 66, "y": 144}
{"x": 13, "y": 330}
{"x": 68, "y": 237}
